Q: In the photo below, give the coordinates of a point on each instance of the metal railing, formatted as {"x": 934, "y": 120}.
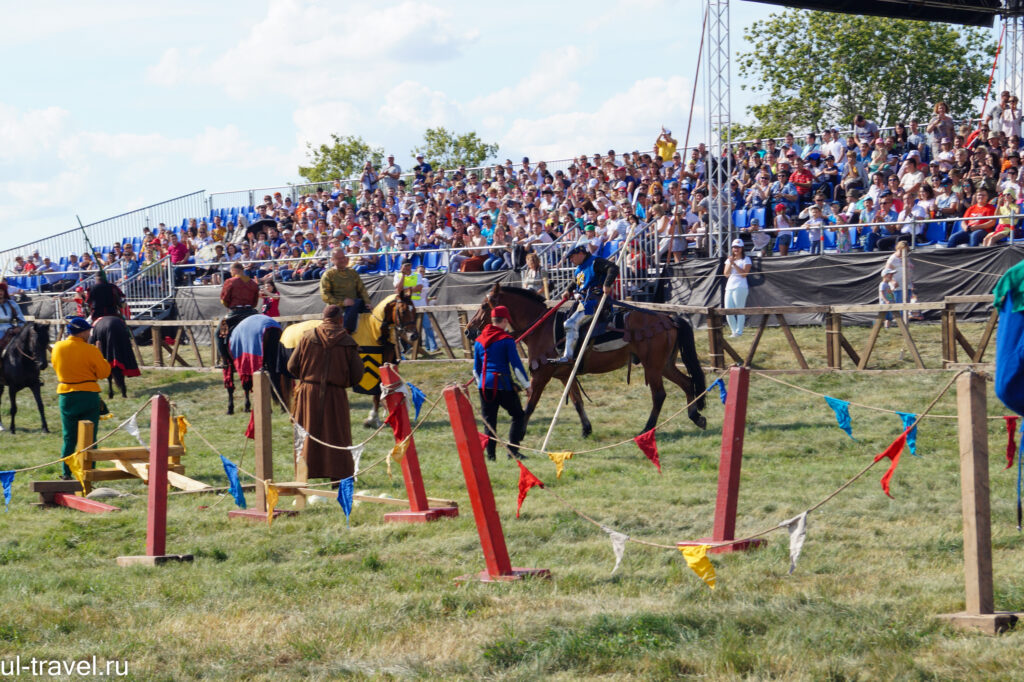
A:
{"x": 104, "y": 233}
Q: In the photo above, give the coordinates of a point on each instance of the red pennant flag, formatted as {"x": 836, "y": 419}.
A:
{"x": 893, "y": 453}
{"x": 250, "y": 430}
{"x": 1011, "y": 443}
{"x": 526, "y": 481}
{"x": 483, "y": 440}
{"x": 648, "y": 445}
{"x": 392, "y": 420}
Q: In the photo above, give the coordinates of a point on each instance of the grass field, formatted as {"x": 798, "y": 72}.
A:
{"x": 309, "y": 598}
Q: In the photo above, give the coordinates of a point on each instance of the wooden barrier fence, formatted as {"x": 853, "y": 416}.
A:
{"x": 721, "y": 352}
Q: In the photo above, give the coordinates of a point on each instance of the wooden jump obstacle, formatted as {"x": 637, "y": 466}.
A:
{"x": 421, "y": 508}
{"x": 132, "y": 462}
{"x": 156, "y": 509}
{"x": 481, "y": 496}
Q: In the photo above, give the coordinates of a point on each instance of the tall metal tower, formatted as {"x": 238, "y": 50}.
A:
{"x": 1013, "y": 53}
{"x": 719, "y": 99}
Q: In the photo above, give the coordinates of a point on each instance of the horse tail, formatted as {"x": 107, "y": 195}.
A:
{"x": 688, "y": 351}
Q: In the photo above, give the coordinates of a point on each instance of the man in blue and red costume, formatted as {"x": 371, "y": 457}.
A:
{"x": 593, "y": 277}
{"x": 499, "y": 372}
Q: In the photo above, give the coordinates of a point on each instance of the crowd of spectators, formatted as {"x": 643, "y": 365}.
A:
{"x": 829, "y": 185}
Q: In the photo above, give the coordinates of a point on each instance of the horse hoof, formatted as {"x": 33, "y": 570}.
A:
{"x": 700, "y": 421}
{"x": 371, "y": 423}
{"x": 231, "y": 410}
{"x": 587, "y": 430}
{"x": 46, "y": 430}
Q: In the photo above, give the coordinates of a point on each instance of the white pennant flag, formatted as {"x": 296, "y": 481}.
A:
{"x": 299, "y": 440}
{"x": 132, "y": 427}
{"x": 357, "y": 454}
{"x": 618, "y": 545}
{"x": 797, "y": 527}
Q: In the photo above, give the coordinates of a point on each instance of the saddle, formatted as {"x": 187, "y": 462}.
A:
{"x": 6, "y": 339}
{"x": 609, "y": 334}
{"x": 231, "y": 320}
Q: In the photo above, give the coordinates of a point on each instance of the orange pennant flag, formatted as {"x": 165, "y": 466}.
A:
{"x": 526, "y": 481}
{"x": 893, "y": 453}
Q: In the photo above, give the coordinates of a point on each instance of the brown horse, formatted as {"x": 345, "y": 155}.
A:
{"x": 653, "y": 337}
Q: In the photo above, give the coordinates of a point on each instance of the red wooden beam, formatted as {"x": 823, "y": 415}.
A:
{"x": 82, "y": 504}
{"x": 419, "y": 507}
{"x": 481, "y": 496}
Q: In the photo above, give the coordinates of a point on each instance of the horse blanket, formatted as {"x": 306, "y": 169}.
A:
{"x": 1009, "y": 300}
{"x": 246, "y": 344}
{"x": 111, "y": 335}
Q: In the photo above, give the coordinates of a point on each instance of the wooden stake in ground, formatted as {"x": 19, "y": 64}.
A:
{"x": 980, "y": 610}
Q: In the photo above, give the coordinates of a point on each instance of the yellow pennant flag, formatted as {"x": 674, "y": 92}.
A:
{"x": 398, "y": 452}
{"x": 697, "y": 559}
{"x": 387, "y": 460}
{"x": 183, "y": 425}
{"x": 76, "y": 463}
{"x": 559, "y": 459}
{"x": 271, "y": 495}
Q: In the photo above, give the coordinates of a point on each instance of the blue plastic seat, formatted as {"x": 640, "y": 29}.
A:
{"x": 755, "y": 214}
{"x": 934, "y": 233}
{"x": 830, "y": 239}
{"x": 431, "y": 259}
{"x": 802, "y": 241}
{"x": 739, "y": 218}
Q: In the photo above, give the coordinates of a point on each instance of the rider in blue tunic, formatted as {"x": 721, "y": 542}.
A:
{"x": 498, "y": 370}
{"x": 594, "y": 276}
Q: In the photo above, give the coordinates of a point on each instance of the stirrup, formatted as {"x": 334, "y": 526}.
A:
{"x": 562, "y": 361}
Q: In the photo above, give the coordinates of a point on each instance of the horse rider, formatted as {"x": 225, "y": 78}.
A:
{"x": 105, "y": 298}
{"x": 499, "y": 372}
{"x": 239, "y": 295}
{"x": 10, "y": 317}
{"x": 79, "y": 367}
{"x": 593, "y": 276}
{"x": 342, "y": 286}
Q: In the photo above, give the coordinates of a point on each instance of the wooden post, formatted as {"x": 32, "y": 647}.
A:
{"x": 481, "y": 496}
{"x": 156, "y": 517}
{"x": 86, "y": 441}
{"x": 974, "y": 495}
{"x": 715, "y": 352}
{"x": 730, "y": 462}
{"x": 155, "y": 334}
{"x": 419, "y": 507}
{"x": 263, "y": 467}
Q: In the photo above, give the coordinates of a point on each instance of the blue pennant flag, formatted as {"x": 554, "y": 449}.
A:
{"x": 231, "y": 469}
{"x": 7, "y": 478}
{"x": 721, "y": 389}
{"x": 418, "y": 398}
{"x": 842, "y": 410}
{"x": 909, "y": 419}
{"x": 346, "y": 489}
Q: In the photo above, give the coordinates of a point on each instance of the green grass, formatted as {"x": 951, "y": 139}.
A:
{"x": 309, "y": 598}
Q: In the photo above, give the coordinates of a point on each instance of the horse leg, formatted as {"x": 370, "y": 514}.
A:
{"x": 673, "y": 374}
{"x": 36, "y": 393}
{"x": 538, "y": 380}
{"x": 373, "y": 418}
{"x": 14, "y": 406}
{"x": 229, "y": 384}
{"x": 576, "y": 396}
{"x": 119, "y": 380}
{"x": 110, "y": 385}
{"x": 657, "y": 385}
{"x": 247, "y": 391}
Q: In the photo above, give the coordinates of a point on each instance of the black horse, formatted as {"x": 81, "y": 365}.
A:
{"x": 252, "y": 345}
{"x": 111, "y": 335}
{"x": 24, "y": 359}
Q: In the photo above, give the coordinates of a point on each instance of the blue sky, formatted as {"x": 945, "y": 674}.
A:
{"x": 111, "y": 106}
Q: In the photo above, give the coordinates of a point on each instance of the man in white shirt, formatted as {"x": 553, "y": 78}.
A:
{"x": 617, "y": 227}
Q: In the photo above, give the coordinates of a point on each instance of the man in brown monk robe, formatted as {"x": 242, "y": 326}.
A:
{"x": 326, "y": 362}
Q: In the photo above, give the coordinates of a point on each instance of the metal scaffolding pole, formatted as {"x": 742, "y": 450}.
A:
{"x": 719, "y": 161}
{"x": 1013, "y": 55}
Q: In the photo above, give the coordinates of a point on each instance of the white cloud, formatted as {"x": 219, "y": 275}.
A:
{"x": 414, "y": 105}
{"x": 549, "y": 86}
{"x": 30, "y": 134}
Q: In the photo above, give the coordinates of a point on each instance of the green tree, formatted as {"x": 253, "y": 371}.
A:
{"x": 344, "y": 158}
{"x": 445, "y": 149}
{"x": 817, "y": 68}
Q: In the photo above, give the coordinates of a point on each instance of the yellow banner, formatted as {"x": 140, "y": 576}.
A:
{"x": 697, "y": 559}
{"x": 76, "y": 463}
{"x": 271, "y": 494}
{"x": 559, "y": 459}
{"x": 183, "y": 425}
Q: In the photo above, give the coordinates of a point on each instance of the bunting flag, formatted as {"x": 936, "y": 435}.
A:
{"x": 298, "y": 440}
{"x": 1011, "y": 445}
{"x": 357, "y": 454}
{"x": 559, "y": 459}
{"x": 722, "y": 393}
{"x": 392, "y": 419}
{"x": 132, "y": 427}
{"x": 418, "y": 398}
{"x": 398, "y": 452}
{"x": 618, "y": 545}
{"x": 250, "y": 430}
{"x": 271, "y": 493}
{"x": 526, "y": 481}
{"x": 893, "y": 453}
{"x": 183, "y": 425}
{"x": 648, "y": 444}
{"x": 76, "y": 463}
{"x": 842, "y": 410}
{"x": 697, "y": 559}
{"x": 6, "y": 479}
{"x": 234, "y": 487}
{"x": 346, "y": 490}
{"x": 797, "y": 527}
{"x": 908, "y": 421}
{"x": 483, "y": 440}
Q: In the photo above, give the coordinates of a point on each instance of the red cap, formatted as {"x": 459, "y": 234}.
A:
{"x": 780, "y": 208}
{"x": 501, "y": 312}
